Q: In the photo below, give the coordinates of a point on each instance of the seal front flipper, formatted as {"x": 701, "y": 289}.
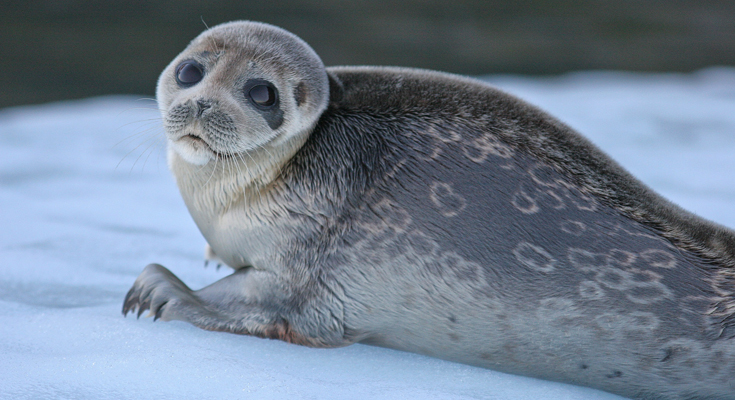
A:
{"x": 246, "y": 302}
{"x": 157, "y": 289}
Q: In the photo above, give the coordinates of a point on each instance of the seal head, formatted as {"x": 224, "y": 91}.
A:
{"x": 241, "y": 88}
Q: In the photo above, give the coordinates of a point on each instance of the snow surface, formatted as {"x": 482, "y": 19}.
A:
{"x": 87, "y": 202}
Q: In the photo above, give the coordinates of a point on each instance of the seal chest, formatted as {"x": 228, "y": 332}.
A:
{"x": 431, "y": 213}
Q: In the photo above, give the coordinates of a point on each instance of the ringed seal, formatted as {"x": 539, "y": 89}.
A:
{"x": 431, "y": 213}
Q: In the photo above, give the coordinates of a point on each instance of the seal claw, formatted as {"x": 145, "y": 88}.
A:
{"x": 159, "y": 312}
{"x": 128, "y": 303}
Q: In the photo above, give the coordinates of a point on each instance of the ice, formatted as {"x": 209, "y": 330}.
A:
{"x": 87, "y": 201}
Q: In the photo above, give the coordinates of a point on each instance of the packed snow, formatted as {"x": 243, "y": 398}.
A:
{"x": 87, "y": 201}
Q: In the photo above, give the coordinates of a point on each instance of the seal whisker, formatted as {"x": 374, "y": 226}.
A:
{"x": 271, "y": 156}
{"x": 217, "y": 51}
{"x": 248, "y": 165}
{"x": 148, "y": 149}
{"x": 229, "y": 161}
{"x": 145, "y": 132}
{"x": 151, "y": 149}
{"x": 233, "y": 153}
{"x": 214, "y": 170}
{"x": 129, "y": 109}
{"x": 149, "y": 140}
{"x": 147, "y": 99}
{"x": 146, "y": 120}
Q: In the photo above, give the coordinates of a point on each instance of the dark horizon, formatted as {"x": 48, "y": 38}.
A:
{"x": 80, "y": 48}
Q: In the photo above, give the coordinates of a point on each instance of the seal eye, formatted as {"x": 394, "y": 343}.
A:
{"x": 189, "y": 73}
{"x": 263, "y": 95}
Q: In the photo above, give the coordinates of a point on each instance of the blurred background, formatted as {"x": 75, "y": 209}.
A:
{"x": 67, "y": 49}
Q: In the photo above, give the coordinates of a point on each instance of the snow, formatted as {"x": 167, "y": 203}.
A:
{"x": 87, "y": 202}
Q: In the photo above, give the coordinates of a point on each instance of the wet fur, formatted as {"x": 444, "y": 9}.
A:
{"x": 432, "y": 213}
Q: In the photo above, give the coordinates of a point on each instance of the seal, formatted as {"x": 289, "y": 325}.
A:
{"x": 431, "y": 213}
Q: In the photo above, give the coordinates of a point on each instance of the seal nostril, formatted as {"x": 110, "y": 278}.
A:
{"x": 202, "y": 106}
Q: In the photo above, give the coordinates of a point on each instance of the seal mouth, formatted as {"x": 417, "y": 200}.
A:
{"x": 197, "y": 141}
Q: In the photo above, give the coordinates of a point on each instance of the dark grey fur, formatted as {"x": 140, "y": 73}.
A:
{"x": 437, "y": 215}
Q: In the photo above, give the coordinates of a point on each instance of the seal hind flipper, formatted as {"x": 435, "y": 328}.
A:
{"x": 211, "y": 256}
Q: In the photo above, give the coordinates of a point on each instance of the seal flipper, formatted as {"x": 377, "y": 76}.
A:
{"x": 157, "y": 289}
{"x": 222, "y": 306}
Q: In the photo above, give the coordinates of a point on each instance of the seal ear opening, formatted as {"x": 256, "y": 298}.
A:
{"x": 335, "y": 88}
{"x": 300, "y": 94}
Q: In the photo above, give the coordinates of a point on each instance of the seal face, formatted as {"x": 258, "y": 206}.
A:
{"x": 431, "y": 213}
{"x": 236, "y": 91}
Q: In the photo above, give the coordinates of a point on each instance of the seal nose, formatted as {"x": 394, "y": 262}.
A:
{"x": 202, "y": 105}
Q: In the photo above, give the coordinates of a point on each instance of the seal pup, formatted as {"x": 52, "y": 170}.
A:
{"x": 431, "y": 213}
